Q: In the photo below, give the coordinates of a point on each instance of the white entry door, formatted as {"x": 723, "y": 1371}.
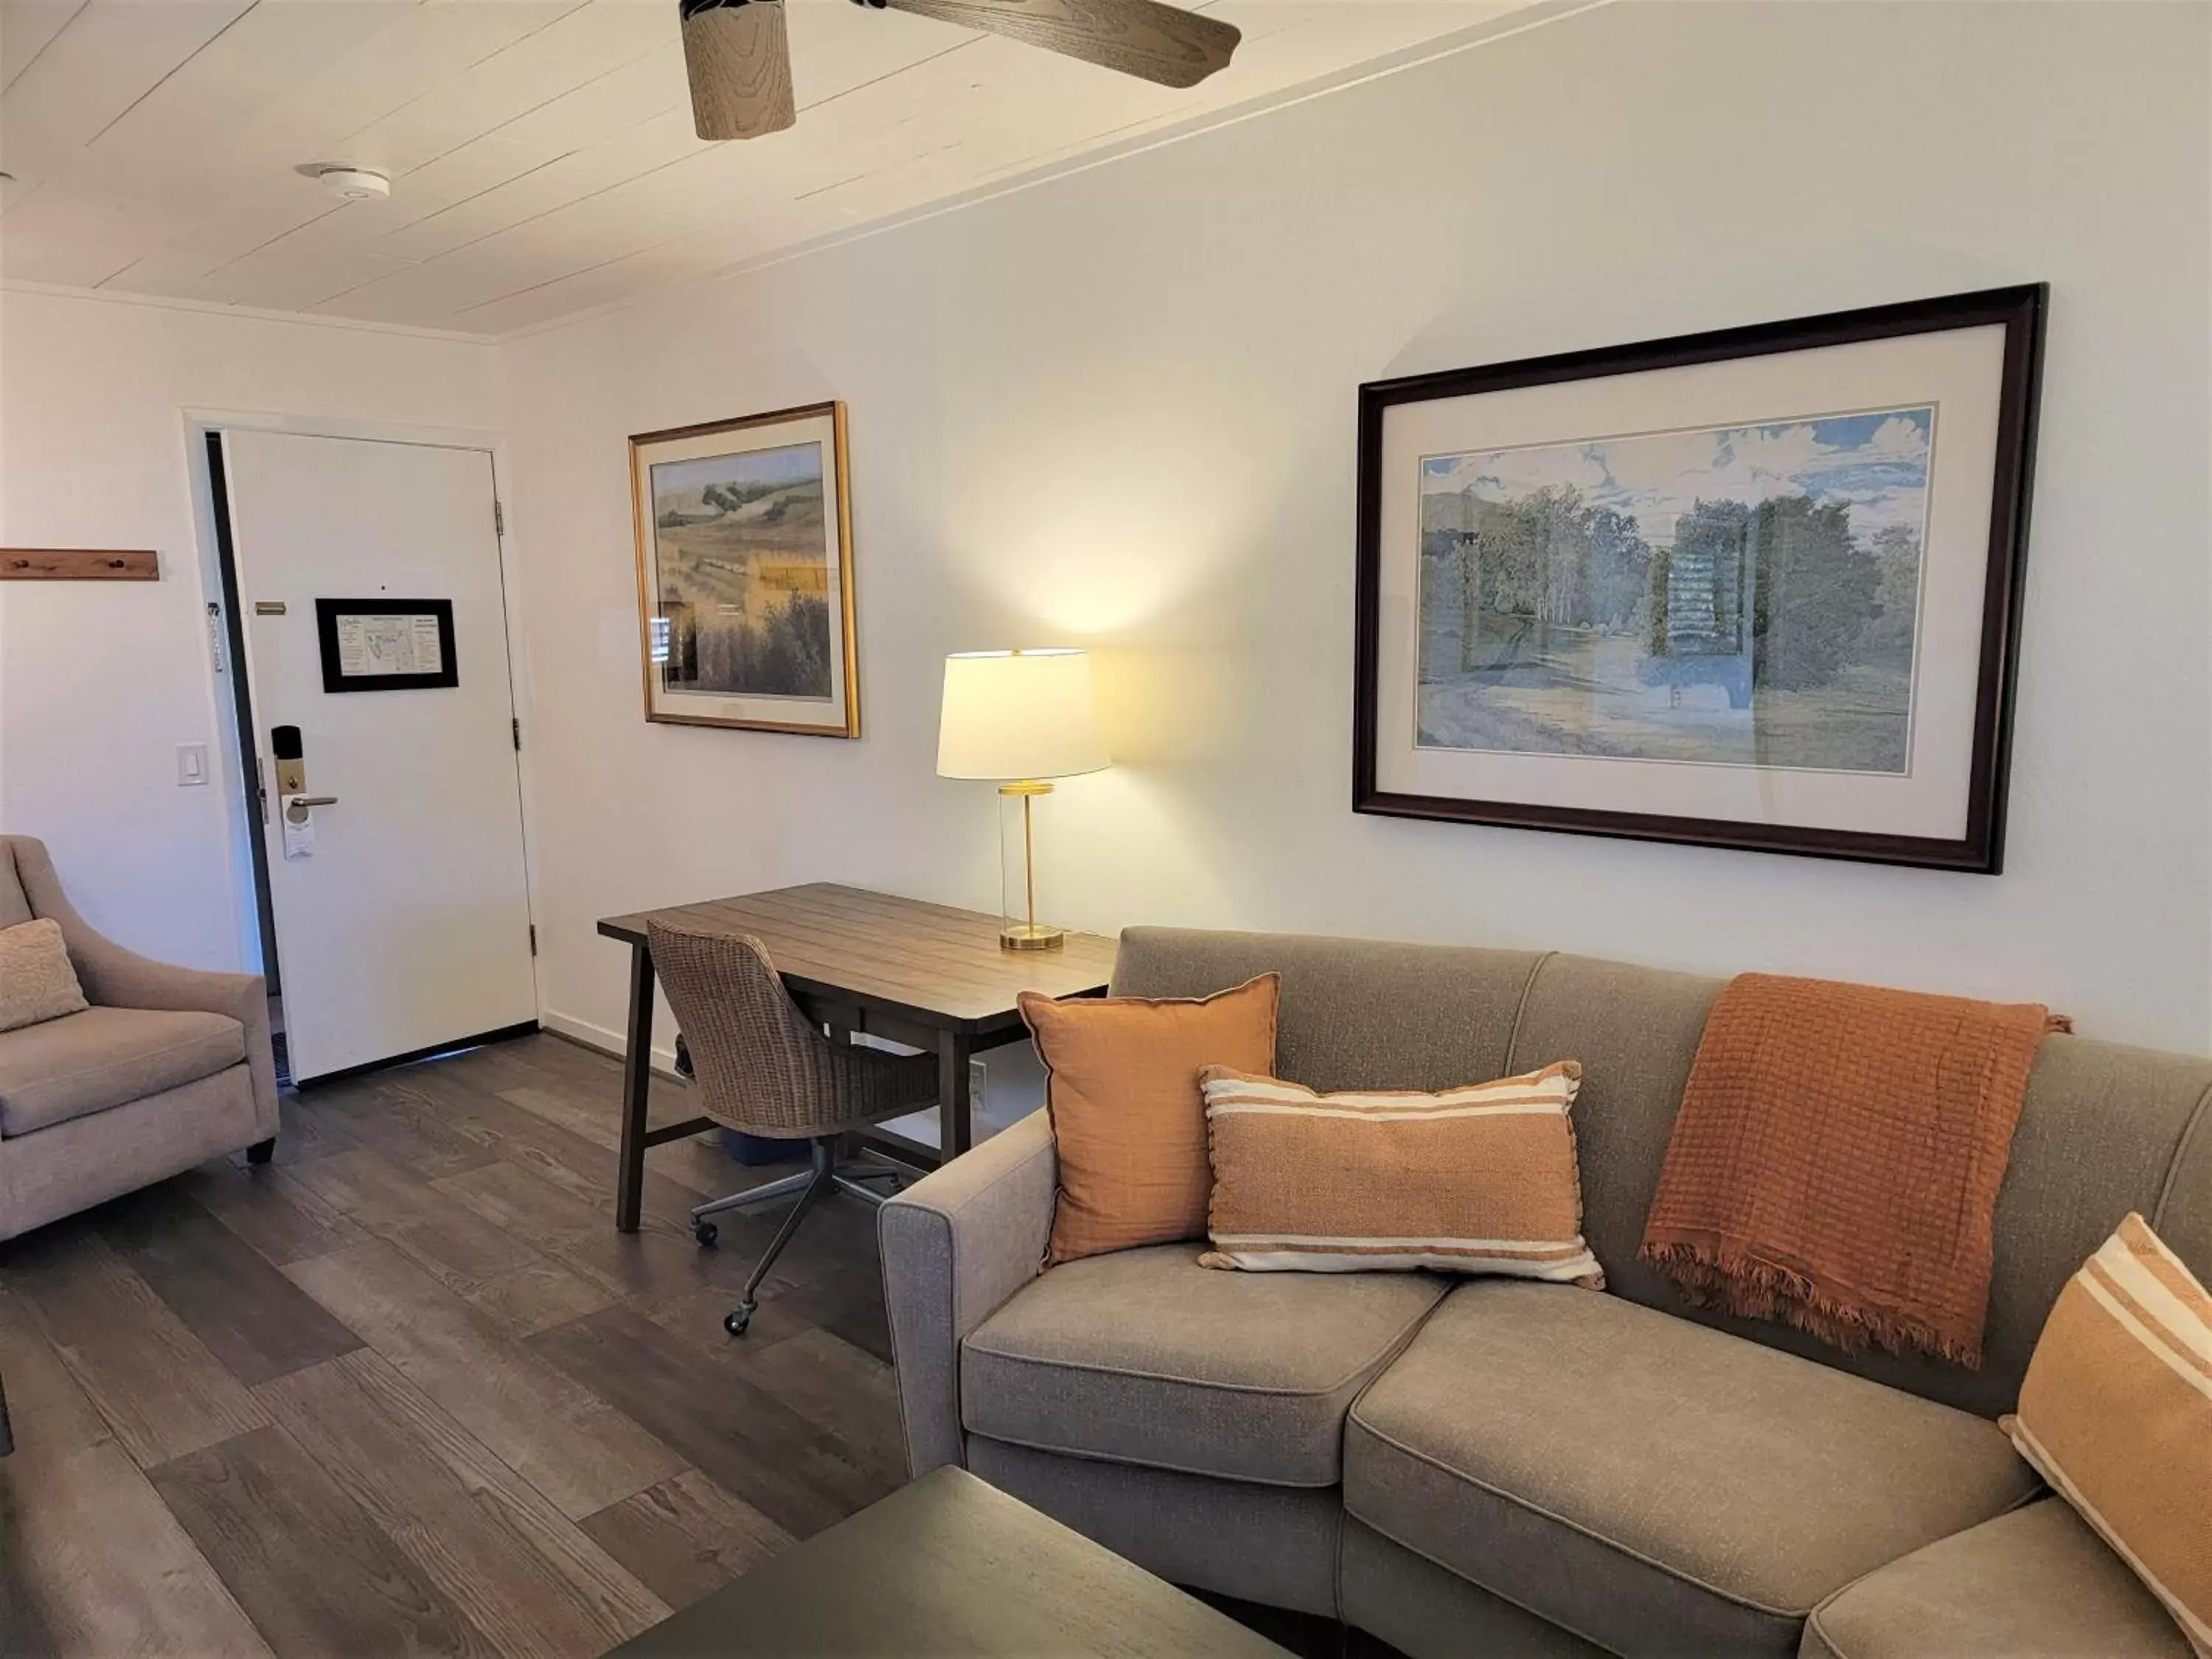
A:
{"x": 402, "y": 912}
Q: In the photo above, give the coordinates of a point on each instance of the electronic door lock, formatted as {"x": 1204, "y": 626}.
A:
{"x": 291, "y": 764}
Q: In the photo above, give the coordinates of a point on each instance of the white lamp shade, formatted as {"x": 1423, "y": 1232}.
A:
{"x": 1015, "y": 715}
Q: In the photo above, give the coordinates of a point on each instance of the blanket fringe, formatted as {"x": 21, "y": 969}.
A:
{"x": 1723, "y": 1280}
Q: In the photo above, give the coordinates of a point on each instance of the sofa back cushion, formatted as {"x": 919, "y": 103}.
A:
{"x": 2185, "y": 1212}
{"x": 1355, "y": 1013}
{"x": 15, "y": 908}
{"x": 2104, "y": 1129}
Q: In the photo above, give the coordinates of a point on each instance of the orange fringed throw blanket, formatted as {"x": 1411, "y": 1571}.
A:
{"x": 1836, "y": 1161}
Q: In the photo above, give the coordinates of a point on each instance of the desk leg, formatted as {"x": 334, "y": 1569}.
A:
{"x": 955, "y": 1133}
{"x": 637, "y": 1086}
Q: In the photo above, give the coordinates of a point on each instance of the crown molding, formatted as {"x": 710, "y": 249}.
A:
{"x": 216, "y": 308}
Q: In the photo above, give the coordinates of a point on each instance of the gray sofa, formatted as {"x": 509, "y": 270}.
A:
{"x": 1497, "y": 1466}
{"x": 168, "y": 1068}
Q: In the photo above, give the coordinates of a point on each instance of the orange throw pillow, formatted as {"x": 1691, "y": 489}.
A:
{"x": 1127, "y": 1115}
{"x": 2115, "y": 1413}
{"x": 1476, "y": 1180}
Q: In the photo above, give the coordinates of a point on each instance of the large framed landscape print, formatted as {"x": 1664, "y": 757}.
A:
{"x": 1756, "y": 589}
{"x": 744, "y": 573}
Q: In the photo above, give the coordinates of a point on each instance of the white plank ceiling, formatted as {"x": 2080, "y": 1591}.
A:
{"x": 540, "y": 151}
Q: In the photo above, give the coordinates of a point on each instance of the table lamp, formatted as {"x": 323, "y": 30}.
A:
{"x": 1020, "y": 719}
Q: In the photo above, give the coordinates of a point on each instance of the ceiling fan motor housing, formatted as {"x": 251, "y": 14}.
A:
{"x": 738, "y": 57}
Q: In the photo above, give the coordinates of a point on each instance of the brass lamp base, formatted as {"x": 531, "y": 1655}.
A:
{"x": 1028, "y": 933}
{"x": 1031, "y": 936}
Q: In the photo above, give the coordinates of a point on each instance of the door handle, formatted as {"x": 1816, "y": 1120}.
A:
{"x": 296, "y": 815}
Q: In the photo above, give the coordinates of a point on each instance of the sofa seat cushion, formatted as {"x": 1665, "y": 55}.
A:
{"x": 1143, "y": 1357}
{"x": 1655, "y": 1486}
{"x": 86, "y": 1062}
{"x": 2036, "y": 1584}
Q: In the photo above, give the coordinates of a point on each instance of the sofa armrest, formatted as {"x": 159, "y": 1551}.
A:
{"x": 955, "y": 1245}
{"x": 114, "y": 977}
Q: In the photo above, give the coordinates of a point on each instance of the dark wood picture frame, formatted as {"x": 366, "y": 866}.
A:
{"x": 2019, "y": 310}
{"x": 327, "y": 613}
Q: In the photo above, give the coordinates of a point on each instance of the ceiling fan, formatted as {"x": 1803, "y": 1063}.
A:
{"x": 739, "y": 55}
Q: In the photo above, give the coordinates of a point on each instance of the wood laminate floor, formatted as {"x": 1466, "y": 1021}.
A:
{"x": 406, "y": 1391}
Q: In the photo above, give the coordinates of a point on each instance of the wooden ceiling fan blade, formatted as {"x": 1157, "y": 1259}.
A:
{"x": 1165, "y": 44}
{"x": 737, "y": 54}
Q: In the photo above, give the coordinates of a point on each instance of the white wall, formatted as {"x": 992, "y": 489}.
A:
{"x": 1117, "y": 410}
{"x": 99, "y": 682}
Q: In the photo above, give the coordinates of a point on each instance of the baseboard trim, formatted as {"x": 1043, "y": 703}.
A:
{"x": 597, "y": 1037}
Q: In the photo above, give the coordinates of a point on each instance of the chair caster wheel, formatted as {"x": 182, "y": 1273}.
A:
{"x": 704, "y": 1231}
{"x": 737, "y": 1319}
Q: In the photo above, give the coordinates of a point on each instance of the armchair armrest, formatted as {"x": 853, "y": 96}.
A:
{"x": 115, "y": 978}
{"x": 955, "y": 1245}
{"x": 118, "y": 978}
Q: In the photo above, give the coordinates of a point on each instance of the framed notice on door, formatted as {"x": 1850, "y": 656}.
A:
{"x": 386, "y": 644}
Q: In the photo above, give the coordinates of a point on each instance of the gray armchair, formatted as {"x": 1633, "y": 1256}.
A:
{"x": 168, "y": 1068}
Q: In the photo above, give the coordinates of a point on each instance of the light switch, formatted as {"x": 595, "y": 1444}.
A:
{"x": 192, "y": 764}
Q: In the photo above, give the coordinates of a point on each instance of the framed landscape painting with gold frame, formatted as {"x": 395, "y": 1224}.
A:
{"x": 744, "y": 573}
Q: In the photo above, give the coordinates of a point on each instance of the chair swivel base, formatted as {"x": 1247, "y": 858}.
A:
{"x": 825, "y": 1173}
{"x": 850, "y": 1177}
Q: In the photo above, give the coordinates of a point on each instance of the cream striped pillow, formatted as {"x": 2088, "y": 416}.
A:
{"x": 2115, "y": 1413}
{"x": 1476, "y": 1180}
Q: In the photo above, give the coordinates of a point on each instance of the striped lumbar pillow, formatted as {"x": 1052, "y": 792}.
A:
{"x": 1476, "y": 1180}
{"x": 2115, "y": 1413}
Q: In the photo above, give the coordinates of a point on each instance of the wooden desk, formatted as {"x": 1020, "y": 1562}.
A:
{"x": 923, "y": 974}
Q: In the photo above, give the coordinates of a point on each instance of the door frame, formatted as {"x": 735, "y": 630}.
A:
{"x": 244, "y": 846}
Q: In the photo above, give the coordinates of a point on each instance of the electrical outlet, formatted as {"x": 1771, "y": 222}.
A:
{"x": 192, "y": 765}
{"x": 979, "y": 1082}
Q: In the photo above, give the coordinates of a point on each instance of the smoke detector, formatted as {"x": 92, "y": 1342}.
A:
{"x": 353, "y": 183}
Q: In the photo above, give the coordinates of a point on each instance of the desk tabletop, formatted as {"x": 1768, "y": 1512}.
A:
{"x": 936, "y": 962}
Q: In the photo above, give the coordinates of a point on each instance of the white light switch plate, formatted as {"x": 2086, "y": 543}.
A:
{"x": 192, "y": 765}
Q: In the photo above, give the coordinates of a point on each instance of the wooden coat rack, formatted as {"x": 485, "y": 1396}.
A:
{"x": 79, "y": 564}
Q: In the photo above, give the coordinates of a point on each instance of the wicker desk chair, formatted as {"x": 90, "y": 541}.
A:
{"x": 765, "y": 1069}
